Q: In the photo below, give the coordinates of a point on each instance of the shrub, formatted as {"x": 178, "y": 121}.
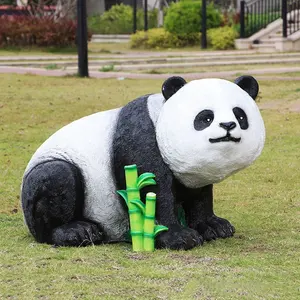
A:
{"x": 119, "y": 20}
{"x": 160, "y": 38}
{"x": 35, "y": 31}
{"x": 190, "y": 39}
{"x": 139, "y": 39}
{"x": 8, "y": 2}
{"x": 116, "y": 20}
{"x": 230, "y": 18}
{"x": 222, "y": 38}
{"x": 184, "y": 17}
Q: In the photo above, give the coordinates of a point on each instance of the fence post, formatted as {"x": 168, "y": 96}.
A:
{"x": 284, "y": 18}
{"x": 242, "y": 20}
{"x": 134, "y": 15}
{"x": 82, "y": 39}
{"x": 203, "y": 26}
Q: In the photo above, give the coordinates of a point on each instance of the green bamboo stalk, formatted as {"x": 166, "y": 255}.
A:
{"x": 149, "y": 222}
{"x": 150, "y": 229}
{"x": 141, "y": 217}
{"x": 135, "y": 213}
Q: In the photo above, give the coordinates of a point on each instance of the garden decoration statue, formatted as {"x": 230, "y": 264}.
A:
{"x": 191, "y": 136}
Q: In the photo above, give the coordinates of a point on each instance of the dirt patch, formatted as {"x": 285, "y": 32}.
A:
{"x": 295, "y": 106}
{"x": 191, "y": 259}
{"x": 280, "y": 105}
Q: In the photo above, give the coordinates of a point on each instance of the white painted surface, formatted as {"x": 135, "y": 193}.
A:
{"x": 87, "y": 143}
{"x": 194, "y": 160}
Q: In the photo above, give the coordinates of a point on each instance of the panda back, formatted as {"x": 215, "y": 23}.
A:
{"x": 78, "y": 142}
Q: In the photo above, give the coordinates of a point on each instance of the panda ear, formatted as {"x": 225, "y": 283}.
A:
{"x": 172, "y": 85}
{"x": 249, "y": 85}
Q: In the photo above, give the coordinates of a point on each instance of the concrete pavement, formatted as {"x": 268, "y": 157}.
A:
{"x": 127, "y": 64}
{"x": 272, "y": 74}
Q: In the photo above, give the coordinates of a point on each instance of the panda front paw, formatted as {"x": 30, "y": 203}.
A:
{"x": 215, "y": 227}
{"x": 179, "y": 238}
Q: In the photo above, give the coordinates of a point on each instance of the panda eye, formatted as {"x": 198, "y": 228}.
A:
{"x": 241, "y": 117}
{"x": 203, "y": 119}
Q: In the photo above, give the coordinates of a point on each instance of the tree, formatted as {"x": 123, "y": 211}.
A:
{"x": 226, "y": 3}
{"x": 63, "y": 8}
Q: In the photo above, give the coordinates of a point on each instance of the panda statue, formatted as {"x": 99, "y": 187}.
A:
{"x": 191, "y": 136}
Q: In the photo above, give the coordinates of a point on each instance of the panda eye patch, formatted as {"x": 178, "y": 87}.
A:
{"x": 241, "y": 117}
{"x": 203, "y": 119}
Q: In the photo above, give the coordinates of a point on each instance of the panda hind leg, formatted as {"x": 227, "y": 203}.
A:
{"x": 52, "y": 202}
{"x": 77, "y": 233}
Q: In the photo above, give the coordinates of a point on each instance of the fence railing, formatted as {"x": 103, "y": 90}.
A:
{"x": 257, "y": 14}
{"x": 290, "y": 17}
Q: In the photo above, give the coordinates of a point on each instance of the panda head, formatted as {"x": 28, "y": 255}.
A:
{"x": 209, "y": 129}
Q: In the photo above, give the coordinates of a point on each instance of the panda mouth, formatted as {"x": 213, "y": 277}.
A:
{"x": 226, "y": 138}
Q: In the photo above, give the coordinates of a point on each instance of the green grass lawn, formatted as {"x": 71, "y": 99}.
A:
{"x": 261, "y": 261}
{"x": 292, "y": 74}
{"x": 93, "y": 48}
{"x": 212, "y": 68}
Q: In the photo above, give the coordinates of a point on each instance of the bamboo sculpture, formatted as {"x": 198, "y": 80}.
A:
{"x": 141, "y": 216}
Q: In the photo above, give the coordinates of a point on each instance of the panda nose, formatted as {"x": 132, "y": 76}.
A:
{"x": 228, "y": 125}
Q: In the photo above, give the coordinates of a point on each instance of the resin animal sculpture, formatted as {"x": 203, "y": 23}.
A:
{"x": 191, "y": 136}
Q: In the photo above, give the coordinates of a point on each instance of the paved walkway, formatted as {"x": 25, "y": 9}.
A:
{"x": 154, "y": 60}
{"x": 272, "y": 73}
{"x": 142, "y": 54}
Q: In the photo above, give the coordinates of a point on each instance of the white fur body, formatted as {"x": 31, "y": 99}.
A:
{"x": 87, "y": 144}
{"x": 155, "y": 104}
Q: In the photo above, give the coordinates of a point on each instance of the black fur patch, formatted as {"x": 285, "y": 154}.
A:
{"x": 78, "y": 233}
{"x": 134, "y": 142}
{"x": 198, "y": 207}
{"x": 249, "y": 85}
{"x": 52, "y": 195}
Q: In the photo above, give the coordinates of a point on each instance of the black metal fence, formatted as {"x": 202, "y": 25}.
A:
{"x": 290, "y": 17}
{"x": 257, "y": 14}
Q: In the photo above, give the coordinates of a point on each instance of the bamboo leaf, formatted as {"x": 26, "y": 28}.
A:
{"x": 159, "y": 228}
{"x": 145, "y": 177}
{"x": 139, "y": 204}
{"x": 146, "y": 183}
{"x": 123, "y": 194}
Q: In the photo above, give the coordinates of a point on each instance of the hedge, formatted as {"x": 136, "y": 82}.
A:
{"x": 37, "y": 31}
{"x": 184, "y": 17}
{"x": 157, "y": 38}
{"x": 119, "y": 20}
{"x": 221, "y": 38}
